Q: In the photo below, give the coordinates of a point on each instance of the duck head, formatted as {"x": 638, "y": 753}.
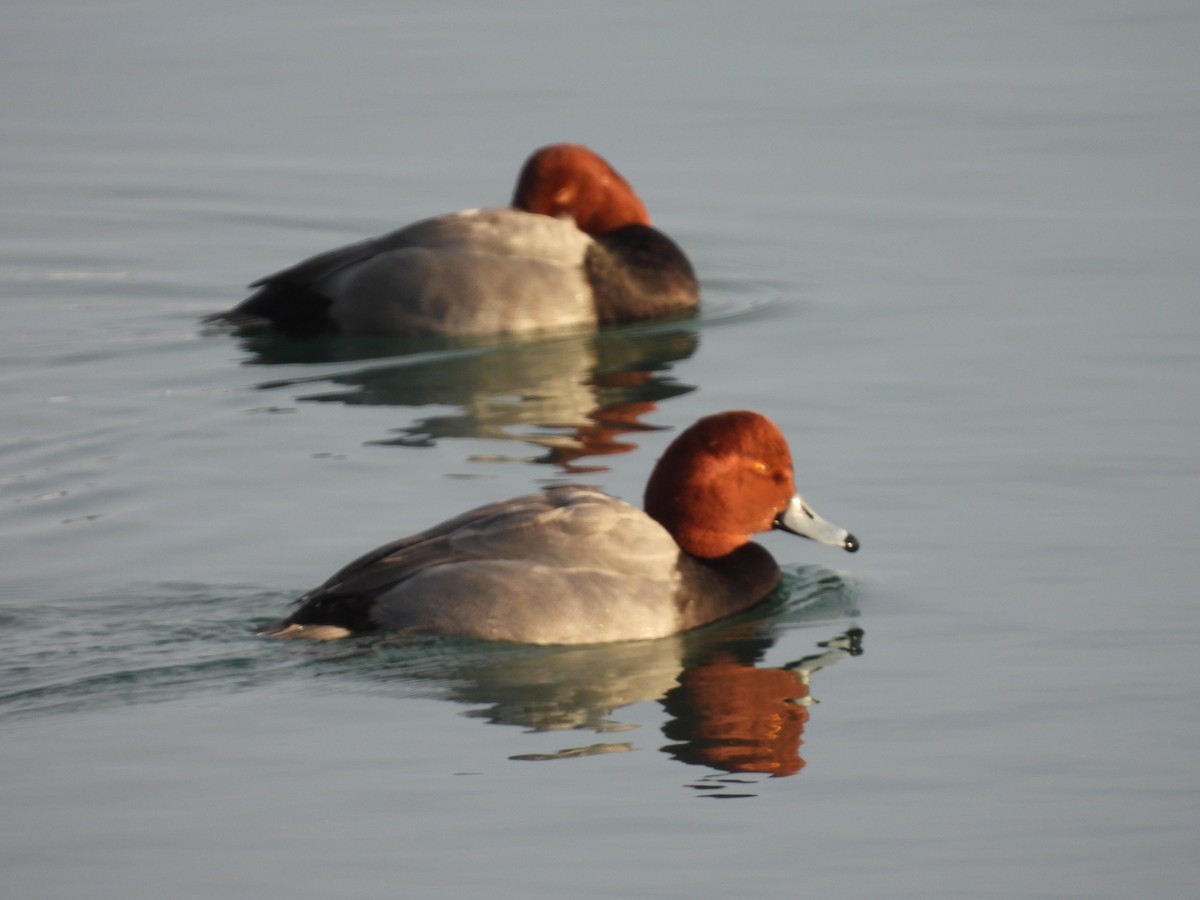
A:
{"x": 727, "y": 478}
{"x": 570, "y": 180}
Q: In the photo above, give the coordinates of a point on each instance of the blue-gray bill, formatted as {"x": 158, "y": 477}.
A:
{"x": 797, "y": 518}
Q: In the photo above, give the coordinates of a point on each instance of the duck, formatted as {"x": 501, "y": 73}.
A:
{"x": 574, "y": 249}
{"x": 573, "y": 565}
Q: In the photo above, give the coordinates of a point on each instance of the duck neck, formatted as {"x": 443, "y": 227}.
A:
{"x": 637, "y": 272}
{"x": 710, "y": 544}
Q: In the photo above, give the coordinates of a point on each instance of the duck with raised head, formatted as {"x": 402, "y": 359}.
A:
{"x": 572, "y": 565}
{"x": 575, "y": 248}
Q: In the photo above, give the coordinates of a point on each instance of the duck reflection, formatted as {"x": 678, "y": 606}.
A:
{"x": 728, "y": 711}
{"x": 573, "y": 396}
{"x": 734, "y": 716}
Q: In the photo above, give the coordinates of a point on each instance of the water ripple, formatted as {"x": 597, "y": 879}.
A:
{"x": 166, "y": 641}
{"x": 155, "y": 643}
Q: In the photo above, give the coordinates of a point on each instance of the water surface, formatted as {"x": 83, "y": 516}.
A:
{"x": 949, "y": 248}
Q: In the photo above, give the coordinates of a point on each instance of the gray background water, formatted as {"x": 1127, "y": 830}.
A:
{"x": 951, "y": 248}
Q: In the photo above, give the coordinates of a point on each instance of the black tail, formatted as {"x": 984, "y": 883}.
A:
{"x": 280, "y": 306}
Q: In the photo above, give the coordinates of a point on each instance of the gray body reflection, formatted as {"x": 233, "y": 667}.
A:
{"x": 573, "y": 396}
{"x": 729, "y": 712}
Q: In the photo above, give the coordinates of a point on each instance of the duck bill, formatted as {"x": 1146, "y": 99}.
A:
{"x": 798, "y": 518}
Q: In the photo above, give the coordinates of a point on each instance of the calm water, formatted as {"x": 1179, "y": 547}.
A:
{"x": 950, "y": 248}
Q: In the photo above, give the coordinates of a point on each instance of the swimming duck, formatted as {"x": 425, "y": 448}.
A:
{"x": 572, "y": 565}
{"x": 576, "y": 248}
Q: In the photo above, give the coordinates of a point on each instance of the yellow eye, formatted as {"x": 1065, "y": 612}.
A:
{"x": 760, "y": 466}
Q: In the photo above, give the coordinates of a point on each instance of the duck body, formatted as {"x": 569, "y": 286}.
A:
{"x": 572, "y": 565}
{"x": 568, "y": 566}
{"x": 532, "y": 266}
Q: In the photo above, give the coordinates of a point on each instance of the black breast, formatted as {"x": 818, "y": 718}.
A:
{"x": 637, "y": 272}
